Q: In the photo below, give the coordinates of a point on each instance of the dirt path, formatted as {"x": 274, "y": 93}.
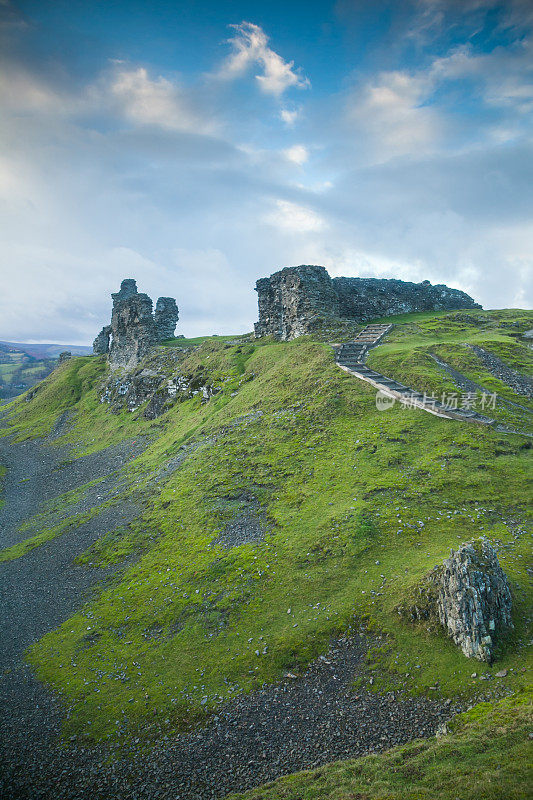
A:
{"x": 301, "y": 723}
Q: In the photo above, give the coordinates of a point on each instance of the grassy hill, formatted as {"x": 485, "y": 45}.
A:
{"x": 356, "y": 505}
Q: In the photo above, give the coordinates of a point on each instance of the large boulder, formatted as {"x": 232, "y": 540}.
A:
{"x": 469, "y": 596}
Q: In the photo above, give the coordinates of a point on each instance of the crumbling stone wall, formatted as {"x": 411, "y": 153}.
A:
{"x": 293, "y": 300}
{"x": 134, "y": 329}
{"x": 101, "y": 343}
{"x": 165, "y": 317}
{"x": 297, "y": 300}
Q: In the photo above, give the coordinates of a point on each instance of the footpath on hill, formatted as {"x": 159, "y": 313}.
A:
{"x": 303, "y": 722}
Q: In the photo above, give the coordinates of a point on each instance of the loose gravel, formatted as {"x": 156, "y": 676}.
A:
{"x": 304, "y": 722}
{"x": 521, "y": 384}
{"x": 39, "y": 471}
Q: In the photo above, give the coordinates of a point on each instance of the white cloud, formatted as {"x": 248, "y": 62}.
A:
{"x": 122, "y": 92}
{"x": 389, "y": 116}
{"x": 116, "y": 178}
{"x": 395, "y": 114}
{"x": 250, "y": 49}
{"x": 289, "y": 116}
{"x": 504, "y": 75}
{"x": 294, "y": 218}
{"x": 21, "y": 91}
{"x": 298, "y": 154}
{"x": 144, "y": 100}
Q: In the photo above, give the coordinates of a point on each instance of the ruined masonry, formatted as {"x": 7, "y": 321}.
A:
{"x": 300, "y": 300}
{"x": 134, "y": 329}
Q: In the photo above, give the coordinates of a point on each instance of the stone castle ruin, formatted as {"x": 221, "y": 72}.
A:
{"x": 292, "y": 302}
{"x": 300, "y": 300}
{"x": 134, "y": 328}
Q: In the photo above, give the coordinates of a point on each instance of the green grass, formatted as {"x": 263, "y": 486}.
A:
{"x": 51, "y": 531}
{"x": 17, "y": 368}
{"x": 406, "y": 355}
{"x": 488, "y": 757}
{"x": 198, "y": 340}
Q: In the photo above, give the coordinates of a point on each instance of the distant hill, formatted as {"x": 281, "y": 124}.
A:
{"x": 23, "y": 365}
{"x": 48, "y": 350}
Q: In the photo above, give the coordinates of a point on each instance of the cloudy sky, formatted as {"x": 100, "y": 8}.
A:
{"x": 197, "y": 146}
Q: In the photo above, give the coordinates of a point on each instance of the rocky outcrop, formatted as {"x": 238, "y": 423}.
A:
{"x": 134, "y": 329}
{"x": 469, "y": 596}
{"x": 299, "y": 300}
{"x": 66, "y": 355}
{"x": 157, "y": 384}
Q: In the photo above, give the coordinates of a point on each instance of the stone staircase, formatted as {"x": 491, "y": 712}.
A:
{"x": 351, "y": 358}
{"x": 354, "y": 353}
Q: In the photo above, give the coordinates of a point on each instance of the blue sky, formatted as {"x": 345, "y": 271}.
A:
{"x": 197, "y": 146}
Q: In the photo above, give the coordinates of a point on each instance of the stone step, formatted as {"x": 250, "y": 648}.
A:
{"x": 351, "y": 354}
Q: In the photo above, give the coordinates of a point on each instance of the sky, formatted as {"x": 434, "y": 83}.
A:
{"x": 198, "y": 146}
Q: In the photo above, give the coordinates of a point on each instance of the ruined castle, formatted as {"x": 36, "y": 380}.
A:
{"x": 134, "y": 328}
{"x": 292, "y": 302}
{"x": 300, "y": 300}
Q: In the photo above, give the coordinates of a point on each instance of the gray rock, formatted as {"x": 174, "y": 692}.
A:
{"x": 133, "y": 328}
{"x": 66, "y": 355}
{"x": 469, "y": 596}
{"x": 294, "y": 300}
{"x": 474, "y": 602}
{"x": 299, "y": 300}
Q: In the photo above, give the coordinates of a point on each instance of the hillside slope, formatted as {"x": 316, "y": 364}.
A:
{"x": 276, "y": 511}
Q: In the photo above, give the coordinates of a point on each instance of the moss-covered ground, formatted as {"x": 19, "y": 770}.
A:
{"x": 360, "y": 505}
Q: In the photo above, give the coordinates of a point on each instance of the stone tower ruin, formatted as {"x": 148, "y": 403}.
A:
{"x": 134, "y": 329}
